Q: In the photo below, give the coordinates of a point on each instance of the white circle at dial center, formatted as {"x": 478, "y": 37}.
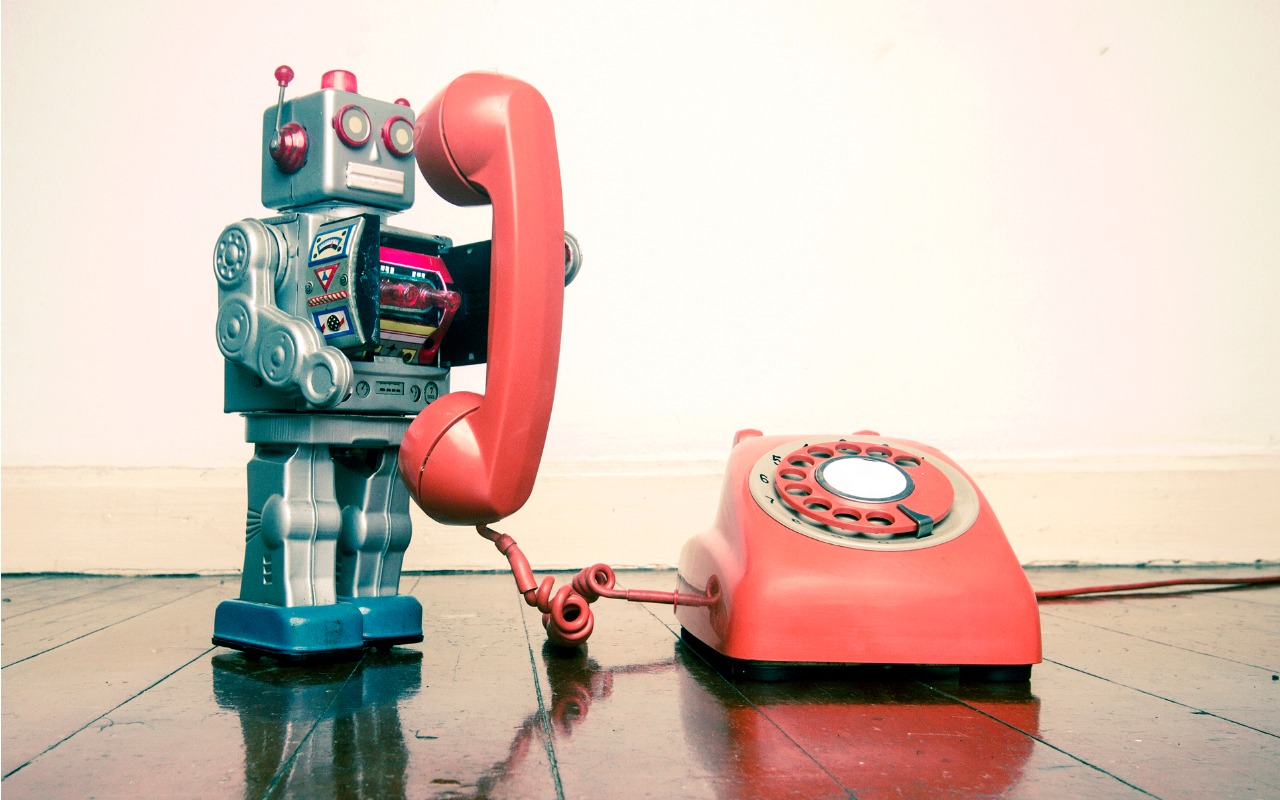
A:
{"x": 862, "y": 478}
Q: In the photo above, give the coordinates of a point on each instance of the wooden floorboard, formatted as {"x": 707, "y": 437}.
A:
{"x": 1143, "y": 741}
{"x": 40, "y": 594}
{"x": 466, "y": 730}
{"x": 910, "y": 733}
{"x": 640, "y": 712}
{"x": 13, "y": 581}
{"x": 51, "y": 626}
{"x": 111, "y": 689}
{"x": 1210, "y": 623}
{"x": 51, "y": 697}
{"x": 1243, "y": 694}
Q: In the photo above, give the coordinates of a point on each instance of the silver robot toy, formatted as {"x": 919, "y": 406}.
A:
{"x": 336, "y": 329}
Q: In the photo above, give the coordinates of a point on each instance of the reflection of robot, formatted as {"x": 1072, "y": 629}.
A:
{"x": 308, "y": 733}
{"x": 333, "y": 326}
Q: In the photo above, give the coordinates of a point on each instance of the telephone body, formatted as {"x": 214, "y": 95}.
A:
{"x": 856, "y": 549}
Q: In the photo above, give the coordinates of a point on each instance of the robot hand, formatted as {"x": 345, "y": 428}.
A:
{"x": 285, "y": 351}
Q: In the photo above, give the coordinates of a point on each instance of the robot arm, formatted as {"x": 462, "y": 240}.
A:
{"x": 286, "y": 352}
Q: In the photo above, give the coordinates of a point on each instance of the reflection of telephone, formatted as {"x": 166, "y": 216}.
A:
{"x": 857, "y": 549}
{"x": 856, "y": 733}
{"x": 487, "y": 138}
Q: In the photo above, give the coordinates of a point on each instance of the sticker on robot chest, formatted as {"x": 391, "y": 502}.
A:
{"x": 333, "y": 322}
{"x": 325, "y": 275}
{"x": 331, "y": 244}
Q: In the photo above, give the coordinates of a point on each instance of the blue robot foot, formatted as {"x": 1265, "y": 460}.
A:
{"x": 389, "y": 620}
{"x": 296, "y": 633}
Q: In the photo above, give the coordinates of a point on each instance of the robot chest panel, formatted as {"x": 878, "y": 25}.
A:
{"x": 368, "y": 299}
{"x": 340, "y": 282}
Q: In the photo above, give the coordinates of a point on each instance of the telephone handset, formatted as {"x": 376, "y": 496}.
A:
{"x": 486, "y": 138}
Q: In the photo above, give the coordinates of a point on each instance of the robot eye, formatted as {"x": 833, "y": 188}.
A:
{"x": 397, "y": 135}
{"x": 352, "y": 124}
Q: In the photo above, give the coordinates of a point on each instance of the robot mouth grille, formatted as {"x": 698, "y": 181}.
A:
{"x": 375, "y": 179}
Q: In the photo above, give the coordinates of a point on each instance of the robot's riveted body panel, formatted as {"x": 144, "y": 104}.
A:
{"x": 331, "y": 322}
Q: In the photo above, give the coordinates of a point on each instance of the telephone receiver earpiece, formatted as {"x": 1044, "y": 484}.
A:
{"x": 469, "y": 459}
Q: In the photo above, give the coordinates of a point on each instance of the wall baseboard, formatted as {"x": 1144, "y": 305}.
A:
{"x": 177, "y": 521}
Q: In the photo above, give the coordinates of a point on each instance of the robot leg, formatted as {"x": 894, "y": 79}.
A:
{"x": 287, "y": 606}
{"x": 375, "y": 533}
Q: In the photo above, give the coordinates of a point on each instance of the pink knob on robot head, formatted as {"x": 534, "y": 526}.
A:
{"x": 283, "y": 75}
{"x": 400, "y": 101}
{"x": 339, "y": 79}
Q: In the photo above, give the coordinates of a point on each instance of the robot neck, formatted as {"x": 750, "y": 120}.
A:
{"x": 337, "y": 210}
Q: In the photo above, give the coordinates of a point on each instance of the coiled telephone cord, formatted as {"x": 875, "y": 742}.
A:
{"x": 566, "y": 614}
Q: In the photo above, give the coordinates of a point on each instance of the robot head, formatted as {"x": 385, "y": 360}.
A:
{"x": 335, "y": 146}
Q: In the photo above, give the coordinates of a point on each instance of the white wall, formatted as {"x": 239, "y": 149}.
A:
{"x": 1016, "y": 231}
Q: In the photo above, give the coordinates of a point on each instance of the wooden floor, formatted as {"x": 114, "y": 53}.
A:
{"x": 111, "y": 689}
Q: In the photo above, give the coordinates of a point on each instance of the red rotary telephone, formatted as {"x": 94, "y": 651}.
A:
{"x": 832, "y": 550}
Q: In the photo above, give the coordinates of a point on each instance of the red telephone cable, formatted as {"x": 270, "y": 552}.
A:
{"x": 1054, "y": 594}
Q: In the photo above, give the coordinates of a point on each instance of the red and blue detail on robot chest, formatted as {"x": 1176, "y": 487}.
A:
{"x": 377, "y": 300}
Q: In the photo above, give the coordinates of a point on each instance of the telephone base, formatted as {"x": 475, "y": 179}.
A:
{"x": 990, "y": 673}
{"x": 778, "y": 671}
{"x": 795, "y": 588}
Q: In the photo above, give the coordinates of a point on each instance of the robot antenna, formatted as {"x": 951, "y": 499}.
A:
{"x": 288, "y": 145}
{"x": 284, "y": 74}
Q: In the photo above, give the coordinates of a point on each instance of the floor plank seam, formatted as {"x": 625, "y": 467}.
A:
{"x": 543, "y": 717}
{"x": 105, "y": 627}
{"x": 103, "y": 716}
{"x": 1170, "y": 700}
{"x": 1041, "y": 740}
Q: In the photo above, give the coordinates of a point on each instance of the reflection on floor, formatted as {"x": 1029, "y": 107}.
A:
{"x": 110, "y": 689}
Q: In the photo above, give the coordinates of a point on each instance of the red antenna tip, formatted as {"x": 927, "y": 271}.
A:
{"x": 284, "y": 74}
